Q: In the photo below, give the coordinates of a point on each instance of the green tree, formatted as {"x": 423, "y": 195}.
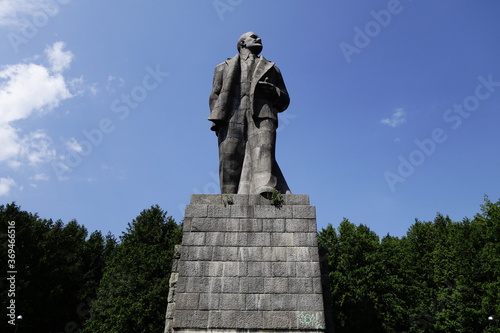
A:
{"x": 353, "y": 271}
{"x": 57, "y": 270}
{"x": 132, "y": 296}
{"x": 443, "y": 276}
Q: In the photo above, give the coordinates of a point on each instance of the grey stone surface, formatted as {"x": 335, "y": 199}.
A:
{"x": 196, "y": 211}
{"x": 247, "y": 267}
{"x": 304, "y": 212}
{"x": 248, "y": 93}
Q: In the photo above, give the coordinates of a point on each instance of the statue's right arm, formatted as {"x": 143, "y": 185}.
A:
{"x": 216, "y": 85}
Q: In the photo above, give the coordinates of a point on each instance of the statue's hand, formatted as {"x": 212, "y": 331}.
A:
{"x": 268, "y": 89}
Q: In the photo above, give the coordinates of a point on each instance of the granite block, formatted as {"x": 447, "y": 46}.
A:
{"x": 307, "y": 269}
{"x": 190, "y": 318}
{"x": 206, "y": 199}
{"x": 241, "y": 211}
{"x": 241, "y": 319}
{"x": 250, "y": 253}
{"x": 274, "y": 254}
{"x": 258, "y": 302}
{"x": 229, "y": 224}
{"x": 304, "y": 212}
{"x": 259, "y": 268}
{"x": 310, "y": 302}
{"x": 317, "y": 285}
{"x": 273, "y": 225}
{"x": 214, "y": 285}
{"x": 196, "y": 211}
{"x": 213, "y": 268}
{"x": 227, "y": 253}
{"x": 300, "y": 225}
{"x": 284, "y": 212}
{"x": 186, "y": 224}
{"x": 285, "y": 302}
{"x": 250, "y": 225}
{"x": 232, "y": 302}
{"x": 258, "y": 239}
{"x": 214, "y": 320}
{"x": 235, "y": 239}
{"x": 300, "y": 286}
{"x": 233, "y": 268}
{"x": 209, "y": 301}
{"x": 279, "y": 320}
{"x": 303, "y": 239}
{"x": 240, "y": 199}
{"x": 197, "y": 253}
{"x": 191, "y": 268}
{"x": 298, "y": 253}
{"x": 276, "y": 285}
{"x": 194, "y": 284}
{"x": 193, "y": 238}
{"x": 230, "y": 285}
{"x": 282, "y": 239}
{"x": 296, "y": 199}
{"x": 218, "y": 211}
{"x": 214, "y": 238}
{"x": 264, "y": 211}
{"x": 252, "y": 285}
{"x": 206, "y": 224}
{"x": 187, "y": 301}
{"x": 283, "y": 269}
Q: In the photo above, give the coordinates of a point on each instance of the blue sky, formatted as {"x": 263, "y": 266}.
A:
{"x": 394, "y": 111}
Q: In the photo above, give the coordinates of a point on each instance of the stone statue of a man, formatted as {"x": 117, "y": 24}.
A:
{"x": 248, "y": 92}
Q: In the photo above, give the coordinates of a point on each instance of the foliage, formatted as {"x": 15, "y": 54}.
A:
{"x": 58, "y": 268}
{"x": 132, "y": 296}
{"x": 443, "y": 276}
{"x": 275, "y": 197}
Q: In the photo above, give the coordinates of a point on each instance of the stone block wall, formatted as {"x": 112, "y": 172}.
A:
{"x": 248, "y": 264}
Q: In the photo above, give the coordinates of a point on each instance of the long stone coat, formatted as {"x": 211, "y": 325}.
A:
{"x": 226, "y": 78}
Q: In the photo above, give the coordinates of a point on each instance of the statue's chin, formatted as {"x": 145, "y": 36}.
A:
{"x": 256, "y": 50}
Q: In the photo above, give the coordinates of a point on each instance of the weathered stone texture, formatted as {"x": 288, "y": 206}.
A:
{"x": 247, "y": 264}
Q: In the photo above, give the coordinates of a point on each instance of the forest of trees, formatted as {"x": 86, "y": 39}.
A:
{"x": 442, "y": 276}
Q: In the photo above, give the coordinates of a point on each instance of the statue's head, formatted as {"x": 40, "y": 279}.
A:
{"x": 250, "y": 41}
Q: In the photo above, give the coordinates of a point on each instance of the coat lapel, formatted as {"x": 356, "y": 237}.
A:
{"x": 262, "y": 66}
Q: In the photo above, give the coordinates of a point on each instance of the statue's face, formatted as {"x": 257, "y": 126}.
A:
{"x": 253, "y": 42}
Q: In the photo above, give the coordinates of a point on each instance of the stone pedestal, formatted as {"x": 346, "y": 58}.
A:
{"x": 247, "y": 264}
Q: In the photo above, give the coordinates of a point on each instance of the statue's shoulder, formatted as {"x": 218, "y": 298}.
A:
{"x": 267, "y": 61}
{"x": 228, "y": 62}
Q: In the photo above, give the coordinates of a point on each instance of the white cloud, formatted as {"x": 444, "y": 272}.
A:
{"x": 27, "y": 89}
{"x": 37, "y": 148}
{"x": 397, "y": 118}
{"x": 5, "y": 185}
{"x": 73, "y": 145}
{"x": 40, "y": 177}
{"x": 10, "y": 142}
{"x": 59, "y": 60}
{"x": 114, "y": 82}
{"x": 12, "y": 11}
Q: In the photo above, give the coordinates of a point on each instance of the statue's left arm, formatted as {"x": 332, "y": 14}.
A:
{"x": 273, "y": 88}
{"x": 283, "y": 100}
